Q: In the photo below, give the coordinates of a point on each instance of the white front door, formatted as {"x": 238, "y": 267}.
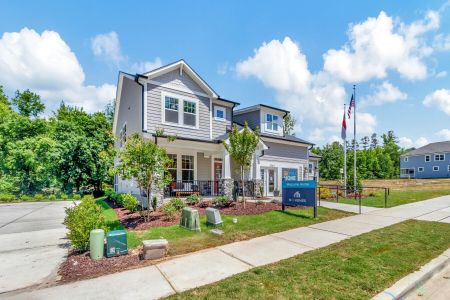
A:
{"x": 269, "y": 177}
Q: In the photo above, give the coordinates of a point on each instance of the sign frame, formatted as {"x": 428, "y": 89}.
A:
{"x": 299, "y": 193}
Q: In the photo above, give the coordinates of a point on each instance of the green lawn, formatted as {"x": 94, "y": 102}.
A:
{"x": 357, "y": 268}
{"x": 184, "y": 241}
{"x": 398, "y": 197}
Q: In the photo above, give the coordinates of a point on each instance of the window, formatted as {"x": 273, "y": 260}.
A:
{"x": 439, "y": 157}
{"x": 311, "y": 168}
{"x": 407, "y": 172}
{"x": 448, "y": 168}
{"x": 172, "y": 168}
{"x": 420, "y": 169}
{"x": 271, "y": 122}
{"x": 427, "y": 158}
{"x": 123, "y": 135}
{"x": 189, "y": 116}
{"x": 219, "y": 113}
{"x": 405, "y": 159}
{"x": 187, "y": 167}
{"x": 171, "y": 109}
{"x": 435, "y": 168}
{"x": 289, "y": 174}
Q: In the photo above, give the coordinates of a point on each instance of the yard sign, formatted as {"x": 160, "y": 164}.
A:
{"x": 300, "y": 193}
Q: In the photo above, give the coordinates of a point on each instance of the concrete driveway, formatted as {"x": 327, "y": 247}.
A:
{"x": 32, "y": 243}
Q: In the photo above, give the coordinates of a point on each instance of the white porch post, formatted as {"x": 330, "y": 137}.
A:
{"x": 256, "y": 168}
{"x": 226, "y": 168}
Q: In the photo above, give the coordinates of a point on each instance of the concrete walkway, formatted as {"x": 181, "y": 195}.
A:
{"x": 211, "y": 265}
{"x": 32, "y": 243}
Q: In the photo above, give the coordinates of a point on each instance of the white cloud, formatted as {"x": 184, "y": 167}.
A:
{"x": 440, "y": 99}
{"x": 441, "y": 74}
{"x": 442, "y": 42}
{"x": 380, "y": 44}
{"x": 444, "y": 134}
{"x": 406, "y": 142}
{"x": 146, "y": 66}
{"x": 45, "y": 64}
{"x": 384, "y": 93}
{"x": 107, "y": 46}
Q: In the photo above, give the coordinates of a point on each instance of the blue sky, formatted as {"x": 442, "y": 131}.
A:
{"x": 308, "y": 56}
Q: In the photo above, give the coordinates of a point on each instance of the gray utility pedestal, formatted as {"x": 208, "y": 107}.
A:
{"x": 154, "y": 249}
{"x": 190, "y": 219}
{"x": 213, "y": 216}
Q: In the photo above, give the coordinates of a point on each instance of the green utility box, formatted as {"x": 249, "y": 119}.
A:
{"x": 213, "y": 216}
{"x": 190, "y": 219}
{"x": 96, "y": 243}
{"x": 116, "y": 243}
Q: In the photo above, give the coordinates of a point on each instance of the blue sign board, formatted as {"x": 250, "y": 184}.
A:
{"x": 299, "y": 193}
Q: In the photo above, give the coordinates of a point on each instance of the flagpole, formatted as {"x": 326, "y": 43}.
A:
{"x": 354, "y": 139}
{"x": 345, "y": 160}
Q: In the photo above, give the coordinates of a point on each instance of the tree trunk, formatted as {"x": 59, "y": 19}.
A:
{"x": 242, "y": 184}
{"x": 149, "y": 189}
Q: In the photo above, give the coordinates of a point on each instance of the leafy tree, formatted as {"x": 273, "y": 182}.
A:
{"x": 241, "y": 146}
{"x": 289, "y": 124}
{"x": 374, "y": 140}
{"x": 145, "y": 162}
{"x": 365, "y": 141}
{"x": 28, "y": 103}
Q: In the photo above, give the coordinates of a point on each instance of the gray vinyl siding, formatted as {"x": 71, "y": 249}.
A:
{"x": 252, "y": 118}
{"x": 183, "y": 81}
{"x": 289, "y": 151}
{"x": 203, "y": 167}
{"x": 417, "y": 161}
{"x": 154, "y": 118}
{"x": 219, "y": 127}
{"x": 130, "y": 107}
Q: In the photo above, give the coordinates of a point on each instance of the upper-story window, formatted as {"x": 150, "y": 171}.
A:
{"x": 180, "y": 111}
{"x": 439, "y": 157}
{"x": 219, "y": 113}
{"x": 427, "y": 158}
{"x": 271, "y": 122}
{"x": 405, "y": 159}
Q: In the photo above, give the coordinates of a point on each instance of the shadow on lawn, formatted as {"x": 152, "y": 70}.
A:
{"x": 293, "y": 214}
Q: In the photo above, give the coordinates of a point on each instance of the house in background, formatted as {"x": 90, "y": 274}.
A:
{"x": 430, "y": 161}
{"x": 175, "y": 100}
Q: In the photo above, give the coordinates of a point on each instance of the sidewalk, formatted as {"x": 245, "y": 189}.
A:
{"x": 211, "y": 265}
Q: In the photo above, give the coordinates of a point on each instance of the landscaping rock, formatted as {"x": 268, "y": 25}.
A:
{"x": 154, "y": 249}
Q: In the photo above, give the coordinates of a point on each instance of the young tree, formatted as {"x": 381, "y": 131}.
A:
{"x": 28, "y": 103}
{"x": 289, "y": 124}
{"x": 241, "y": 146}
{"x": 145, "y": 162}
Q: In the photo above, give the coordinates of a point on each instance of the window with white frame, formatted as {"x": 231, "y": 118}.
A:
{"x": 123, "y": 135}
{"x": 448, "y": 168}
{"x": 271, "y": 122}
{"x": 427, "y": 158}
{"x": 420, "y": 169}
{"x": 180, "y": 111}
{"x": 172, "y": 168}
{"x": 311, "y": 168}
{"x": 171, "y": 114}
{"x": 189, "y": 113}
{"x": 187, "y": 167}
{"x": 219, "y": 113}
{"x": 435, "y": 168}
{"x": 439, "y": 157}
{"x": 405, "y": 159}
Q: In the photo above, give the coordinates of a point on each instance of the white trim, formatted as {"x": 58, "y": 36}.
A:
{"x": 282, "y": 159}
{"x": 434, "y": 170}
{"x": 448, "y": 168}
{"x": 177, "y": 88}
{"x": 118, "y": 96}
{"x": 420, "y": 169}
{"x": 405, "y": 159}
{"x": 217, "y": 108}
{"x": 145, "y": 106}
{"x": 181, "y": 100}
{"x": 210, "y": 119}
{"x": 286, "y": 142}
{"x": 438, "y": 153}
{"x": 425, "y": 157}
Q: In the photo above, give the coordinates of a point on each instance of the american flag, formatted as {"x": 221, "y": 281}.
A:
{"x": 352, "y": 104}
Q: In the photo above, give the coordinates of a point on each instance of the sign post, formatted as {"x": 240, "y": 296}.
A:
{"x": 300, "y": 193}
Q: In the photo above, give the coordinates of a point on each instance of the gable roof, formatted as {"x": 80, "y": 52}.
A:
{"x": 183, "y": 67}
{"x": 258, "y": 107}
{"x": 431, "y": 148}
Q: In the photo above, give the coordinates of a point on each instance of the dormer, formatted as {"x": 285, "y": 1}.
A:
{"x": 269, "y": 119}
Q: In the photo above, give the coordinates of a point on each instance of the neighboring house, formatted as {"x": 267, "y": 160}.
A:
{"x": 430, "y": 161}
{"x": 175, "y": 100}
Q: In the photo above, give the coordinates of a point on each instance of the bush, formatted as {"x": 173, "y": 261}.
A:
{"x": 193, "y": 199}
{"x": 81, "y": 219}
{"x": 77, "y": 197}
{"x": 109, "y": 193}
{"x": 154, "y": 203}
{"x": 7, "y": 197}
{"x": 169, "y": 210}
{"x": 87, "y": 197}
{"x": 325, "y": 193}
{"x": 177, "y": 203}
{"x": 39, "y": 197}
{"x": 221, "y": 201}
{"x": 130, "y": 202}
{"x": 52, "y": 197}
{"x": 63, "y": 196}
{"x": 25, "y": 198}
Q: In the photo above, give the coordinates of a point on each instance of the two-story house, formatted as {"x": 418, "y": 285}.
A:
{"x": 430, "y": 161}
{"x": 175, "y": 100}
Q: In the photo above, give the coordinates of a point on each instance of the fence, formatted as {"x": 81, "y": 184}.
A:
{"x": 182, "y": 188}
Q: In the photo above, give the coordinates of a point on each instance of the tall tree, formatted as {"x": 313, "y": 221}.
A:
{"x": 28, "y": 103}
{"x": 289, "y": 124}
{"x": 374, "y": 140}
{"x": 241, "y": 146}
{"x": 365, "y": 141}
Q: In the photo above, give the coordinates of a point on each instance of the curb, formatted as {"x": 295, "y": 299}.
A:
{"x": 414, "y": 280}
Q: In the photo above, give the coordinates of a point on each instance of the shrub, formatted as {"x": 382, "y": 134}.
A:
{"x": 109, "y": 193}
{"x": 63, "y": 196}
{"x": 177, "y": 203}
{"x": 193, "y": 199}
{"x": 87, "y": 197}
{"x": 325, "y": 193}
{"x": 169, "y": 210}
{"x": 7, "y": 197}
{"x": 130, "y": 202}
{"x": 52, "y": 197}
{"x": 154, "y": 203}
{"x": 221, "y": 201}
{"x": 77, "y": 197}
{"x": 81, "y": 219}
{"x": 25, "y": 197}
{"x": 39, "y": 197}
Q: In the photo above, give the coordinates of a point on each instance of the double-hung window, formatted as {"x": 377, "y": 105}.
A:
{"x": 189, "y": 113}
{"x": 427, "y": 158}
{"x": 187, "y": 167}
{"x": 439, "y": 157}
{"x": 172, "y": 168}
{"x": 180, "y": 111}
{"x": 271, "y": 122}
{"x": 171, "y": 109}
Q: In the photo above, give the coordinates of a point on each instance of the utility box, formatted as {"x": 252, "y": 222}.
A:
{"x": 116, "y": 243}
{"x": 96, "y": 243}
{"x": 213, "y": 216}
{"x": 190, "y": 219}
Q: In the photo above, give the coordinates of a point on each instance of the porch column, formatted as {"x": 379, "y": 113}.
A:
{"x": 255, "y": 167}
{"x": 226, "y": 168}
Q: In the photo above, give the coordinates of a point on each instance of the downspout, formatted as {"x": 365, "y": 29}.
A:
{"x": 136, "y": 79}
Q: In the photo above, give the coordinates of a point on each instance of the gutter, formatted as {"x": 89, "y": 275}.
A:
{"x": 136, "y": 79}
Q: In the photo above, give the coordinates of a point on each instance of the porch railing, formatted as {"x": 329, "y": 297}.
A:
{"x": 184, "y": 188}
